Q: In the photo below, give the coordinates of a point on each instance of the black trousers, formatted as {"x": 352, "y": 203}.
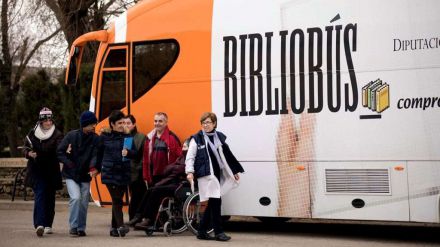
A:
{"x": 137, "y": 191}
{"x": 212, "y": 216}
{"x": 117, "y": 195}
{"x": 152, "y": 199}
{"x": 44, "y": 203}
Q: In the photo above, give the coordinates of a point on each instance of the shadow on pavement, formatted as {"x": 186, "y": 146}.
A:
{"x": 350, "y": 231}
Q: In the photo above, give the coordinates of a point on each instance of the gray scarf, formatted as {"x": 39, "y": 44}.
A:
{"x": 214, "y": 146}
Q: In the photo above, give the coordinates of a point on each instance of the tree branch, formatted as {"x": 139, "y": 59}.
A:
{"x": 23, "y": 65}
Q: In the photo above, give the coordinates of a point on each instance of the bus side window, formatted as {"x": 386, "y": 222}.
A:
{"x": 151, "y": 61}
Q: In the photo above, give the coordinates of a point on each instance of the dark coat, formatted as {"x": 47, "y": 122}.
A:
{"x": 201, "y": 163}
{"x": 82, "y": 157}
{"x": 113, "y": 169}
{"x": 136, "y": 162}
{"x": 174, "y": 173}
{"x": 45, "y": 166}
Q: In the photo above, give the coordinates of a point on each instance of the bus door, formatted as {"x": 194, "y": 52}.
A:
{"x": 112, "y": 94}
{"x": 113, "y": 81}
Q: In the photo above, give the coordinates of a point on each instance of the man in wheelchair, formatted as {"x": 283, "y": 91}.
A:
{"x": 174, "y": 175}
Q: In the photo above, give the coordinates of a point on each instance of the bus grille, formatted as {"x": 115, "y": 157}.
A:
{"x": 366, "y": 181}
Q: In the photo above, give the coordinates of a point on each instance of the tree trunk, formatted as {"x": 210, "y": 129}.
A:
{"x": 8, "y": 111}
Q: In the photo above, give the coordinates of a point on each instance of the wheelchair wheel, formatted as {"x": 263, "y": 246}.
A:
{"x": 167, "y": 228}
{"x": 193, "y": 211}
{"x": 178, "y": 225}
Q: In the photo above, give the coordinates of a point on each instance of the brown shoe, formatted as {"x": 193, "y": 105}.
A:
{"x": 143, "y": 225}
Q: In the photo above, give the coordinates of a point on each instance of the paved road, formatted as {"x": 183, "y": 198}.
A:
{"x": 16, "y": 230}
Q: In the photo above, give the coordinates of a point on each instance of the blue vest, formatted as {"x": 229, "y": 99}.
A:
{"x": 201, "y": 162}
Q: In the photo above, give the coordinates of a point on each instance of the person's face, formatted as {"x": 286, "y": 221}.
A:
{"x": 46, "y": 123}
{"x": 208, "y": 125}
{"x": 185, "y": 146}
{"x": 89, "y": 128}
{"x": 118, "y": 126}
{"x": 129, "y": 124}
{"x": 160, "y": 123}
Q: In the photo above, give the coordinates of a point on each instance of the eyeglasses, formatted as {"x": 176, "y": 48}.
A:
{"x": 207, "y": 123}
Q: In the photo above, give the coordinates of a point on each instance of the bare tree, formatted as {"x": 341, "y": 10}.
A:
{"x": 36, "y": 31}
{"x": 17, "y": 49}
{"x": 77, "y": 17}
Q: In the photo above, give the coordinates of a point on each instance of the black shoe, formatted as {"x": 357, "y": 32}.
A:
{"x": 222, "y": 237}
{"x": 133, "y": 221}
{"x": 144, "y": 225}
{"x": 82, "y": 233}
{"x": 114, "y": 232}
{"x": 123, "y": 230}
{"x": 73, "y": 232}
{"x": 204, "y": 236}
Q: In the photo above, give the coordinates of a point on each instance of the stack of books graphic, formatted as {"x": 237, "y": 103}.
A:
{"x": 376, "y": 96}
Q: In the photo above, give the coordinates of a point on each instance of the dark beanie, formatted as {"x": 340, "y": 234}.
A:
{"x": 87, "y": 117}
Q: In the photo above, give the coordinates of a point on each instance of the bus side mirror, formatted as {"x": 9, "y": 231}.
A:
{"x": 72, "y": 70}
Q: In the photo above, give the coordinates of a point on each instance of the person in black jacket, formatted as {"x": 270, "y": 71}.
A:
{"x": 77, "y": 151}
{"x": 115, "y": 171}
{"x": 43, "y": 170}
{"x": 137, "y": 184}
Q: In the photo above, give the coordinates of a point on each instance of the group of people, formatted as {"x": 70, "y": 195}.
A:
{"x": 151, "y": 166}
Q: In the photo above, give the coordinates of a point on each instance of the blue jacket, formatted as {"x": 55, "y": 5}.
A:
{"x": 201, "y": 162}
{"x": 82, "y": 156}
{"x": 113, "y": 169}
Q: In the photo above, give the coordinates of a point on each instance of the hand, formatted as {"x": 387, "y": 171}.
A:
{"x": 237, "y": 177}
{"x": 93, "y": 173}
{"x": 124, "y": 152}
{"x": 32, "y": 154}
{"x": 190, "y": 176}
{"x": 69, "y": 149}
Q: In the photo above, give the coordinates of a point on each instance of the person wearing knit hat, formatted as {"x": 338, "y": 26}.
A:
{"x": 43, "y": 170}
{"x": 87, "y": 118}
{"x": 77, "y": 152}
{"x": 45, "y": 113}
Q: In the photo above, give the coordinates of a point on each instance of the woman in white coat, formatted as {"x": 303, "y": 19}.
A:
{"x": 210, "y": 160}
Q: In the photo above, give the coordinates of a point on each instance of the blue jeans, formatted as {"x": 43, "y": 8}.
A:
{"x": 44, "y": 203}
{"x": 78, "y": 203}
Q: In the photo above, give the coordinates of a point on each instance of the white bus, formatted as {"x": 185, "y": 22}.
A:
{"x": 332, "y": 107}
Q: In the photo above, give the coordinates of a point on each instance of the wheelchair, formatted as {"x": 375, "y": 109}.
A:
{"x": 193, "y": 211}
{"x": 169, "y": 218}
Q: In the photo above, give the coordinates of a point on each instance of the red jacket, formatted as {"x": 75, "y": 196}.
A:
{"x": 174, "y": 151}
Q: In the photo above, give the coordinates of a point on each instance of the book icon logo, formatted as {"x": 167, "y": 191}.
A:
{"x": 376, "y": 96}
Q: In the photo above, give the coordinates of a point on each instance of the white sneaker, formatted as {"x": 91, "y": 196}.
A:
{"x": 48, "y": 230}
{"x": 39, "y": 231}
